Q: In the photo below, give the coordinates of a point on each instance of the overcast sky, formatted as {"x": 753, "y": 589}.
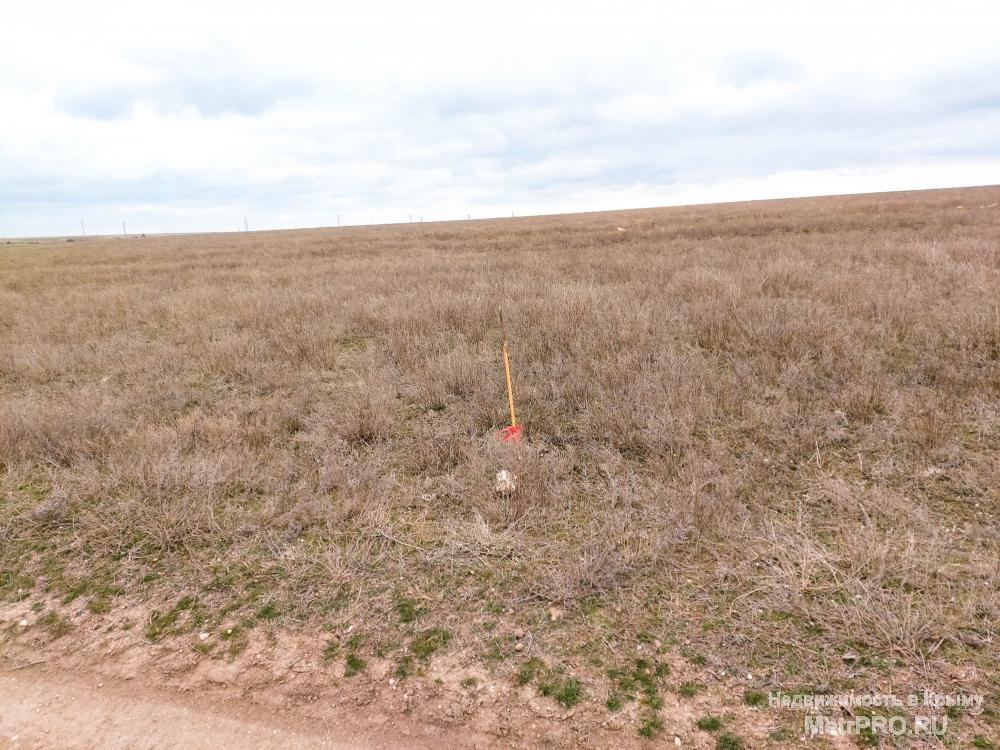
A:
{"x": 184, "y": 116}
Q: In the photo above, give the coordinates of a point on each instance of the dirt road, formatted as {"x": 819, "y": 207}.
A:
{"x": 59, "y": 711}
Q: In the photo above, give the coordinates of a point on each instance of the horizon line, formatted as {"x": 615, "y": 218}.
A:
{"x": 81, "y": 237}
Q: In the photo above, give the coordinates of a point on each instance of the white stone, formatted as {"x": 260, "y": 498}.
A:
{"x": 506, "y": 482}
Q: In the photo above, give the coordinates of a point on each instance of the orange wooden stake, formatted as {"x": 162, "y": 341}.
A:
{"x": 513, "y": 432}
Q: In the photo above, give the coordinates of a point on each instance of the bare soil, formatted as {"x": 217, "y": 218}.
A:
{"x": 110, "y": 689}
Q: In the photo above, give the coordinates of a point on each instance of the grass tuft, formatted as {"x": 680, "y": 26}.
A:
{"x": 529, "y": 670}
{"x": 427, "y": 642}
{"x": 566, "y": 691}
{"x": 688, "y": 689}
{"x": 651, "y": 726}
{"x": 709, "y": 723}
{"x": 728, "y": 741}
{"x": 353, "y": 665}
{"x": 404, "y": 668}
{"x": 408, "y": 610}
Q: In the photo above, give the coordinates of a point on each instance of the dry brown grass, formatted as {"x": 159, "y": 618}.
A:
{"x": 767, "y": 432}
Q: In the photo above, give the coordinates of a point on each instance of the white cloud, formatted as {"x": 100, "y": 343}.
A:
{"x": 188, "y": 116}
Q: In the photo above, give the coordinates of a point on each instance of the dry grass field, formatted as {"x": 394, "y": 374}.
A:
{"x": 759, "y": 438}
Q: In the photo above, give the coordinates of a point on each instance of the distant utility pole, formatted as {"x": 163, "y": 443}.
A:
{"x": 246, "y": 227}
{"x": 124, "y": 233}
{"x": 338, "y": 220}
{"x": 83, "y": 229}
{"x": 411, "y": 218}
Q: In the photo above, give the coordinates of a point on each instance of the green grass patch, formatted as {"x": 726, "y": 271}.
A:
{"x": 269, "y": 611}
{"x": 99, "y": 605}
{"x": 427, "y": 642}
{"x": 688, "y": 689}
{"x": 528, "y": 671}
{"x": 566, "y": 691}
{"x": 404, "y": 668}
{"x": 651, "y": 726}
{"x": 694, "y": 657}
{"x": 754, "y": 698}
{"x": 728, "y": 741}
{"x": 408, "y": 610}
{"x": 331, "y": 650}
{"x": 163, "y": 623}
{"x": 76, "y": 590}
{"x": 552, "y": 682}
{"x": 353, "y": 664}
{"x": 641, "y": 680}
{"x": 709, "y": 723}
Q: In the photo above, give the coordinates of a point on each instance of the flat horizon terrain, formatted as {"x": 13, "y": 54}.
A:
{"x": 761, "y": 455}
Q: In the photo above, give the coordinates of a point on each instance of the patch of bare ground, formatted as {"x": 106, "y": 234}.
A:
{"x": 761, "y": 455}
{"x": 108, "y": 687}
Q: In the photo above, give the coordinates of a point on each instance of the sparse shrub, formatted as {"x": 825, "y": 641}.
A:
{"x": 368, "y": 421}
